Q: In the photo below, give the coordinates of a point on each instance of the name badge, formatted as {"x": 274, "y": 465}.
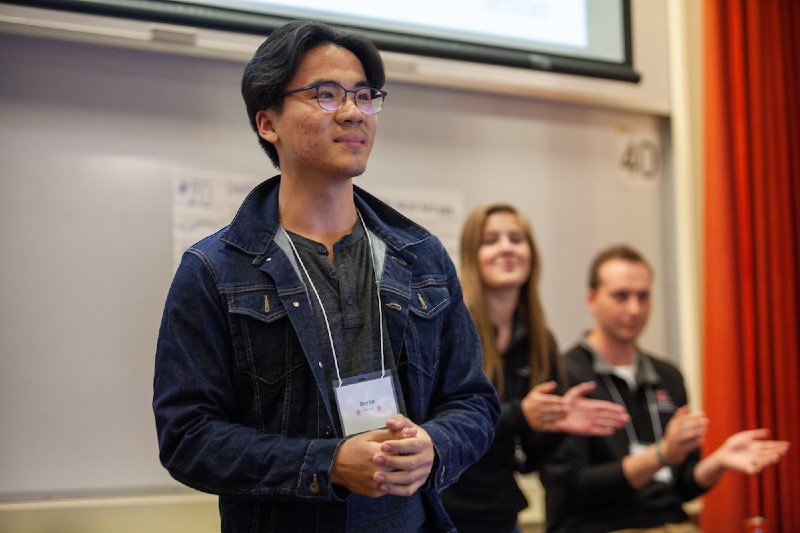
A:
{"x": 365, "y": 402}
{"x": 664, "y": 475}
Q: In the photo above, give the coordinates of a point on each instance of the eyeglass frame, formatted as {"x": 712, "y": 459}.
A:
{"x": 318, "y": 84}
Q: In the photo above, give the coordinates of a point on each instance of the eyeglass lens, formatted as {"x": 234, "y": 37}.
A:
{"x": 331, "y": 96}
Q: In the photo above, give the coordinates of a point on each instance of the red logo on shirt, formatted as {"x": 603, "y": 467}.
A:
{"x": 664, "y": 401}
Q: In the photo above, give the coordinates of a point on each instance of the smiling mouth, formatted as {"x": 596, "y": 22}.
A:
{"x": 350, "y": 139}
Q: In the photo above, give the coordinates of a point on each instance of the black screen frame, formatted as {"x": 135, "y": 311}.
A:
{"x": 256, "y": 23}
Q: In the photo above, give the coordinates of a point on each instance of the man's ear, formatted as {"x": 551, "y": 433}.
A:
{"x": 591, "y": 296}
{"x": 266, "y": 125}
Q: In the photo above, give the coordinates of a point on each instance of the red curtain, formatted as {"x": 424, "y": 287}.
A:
{"x": 751, "y": 331}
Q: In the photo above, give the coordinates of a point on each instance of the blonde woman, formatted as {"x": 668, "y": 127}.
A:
{"x": 500, "y": 268}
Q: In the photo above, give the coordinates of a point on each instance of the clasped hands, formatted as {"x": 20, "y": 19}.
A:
{"x": 573, "y": 412}
{"x": 396, "y": 460}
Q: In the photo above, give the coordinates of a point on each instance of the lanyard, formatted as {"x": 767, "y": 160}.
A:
{"x": 651, "y": 406}
{"x": 325, "y": 315}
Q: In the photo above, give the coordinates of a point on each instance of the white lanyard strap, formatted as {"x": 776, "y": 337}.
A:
{"x": 316, "y": 293}
{"x": 322, "y": 307}
{"x": 377, "y": 292}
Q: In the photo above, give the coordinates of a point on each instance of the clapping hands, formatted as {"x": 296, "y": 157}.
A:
{"x": 572, "y": 413}
{"x": 749, "y": 451}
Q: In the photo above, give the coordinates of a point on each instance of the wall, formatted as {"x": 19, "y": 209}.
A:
{"x": 91, "y": 135}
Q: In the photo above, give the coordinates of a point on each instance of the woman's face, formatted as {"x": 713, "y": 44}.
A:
{"x": 504, "y": 256}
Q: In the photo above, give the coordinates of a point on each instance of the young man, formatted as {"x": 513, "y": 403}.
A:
{"x": 316, "y": 366}
{"x": 639, "y": 476}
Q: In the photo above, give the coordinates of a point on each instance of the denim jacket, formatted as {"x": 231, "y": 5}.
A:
{"x": 240, "y": 395}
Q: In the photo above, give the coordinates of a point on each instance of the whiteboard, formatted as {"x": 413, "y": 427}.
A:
{"x": 90, "y": 138}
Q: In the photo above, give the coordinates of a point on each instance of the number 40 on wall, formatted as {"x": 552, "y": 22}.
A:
{"x": 638, "y": 158}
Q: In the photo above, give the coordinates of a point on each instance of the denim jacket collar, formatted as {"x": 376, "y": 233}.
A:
{"x": 254, "y": 228}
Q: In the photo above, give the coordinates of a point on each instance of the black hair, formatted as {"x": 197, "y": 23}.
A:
{"x": 276, "y": 60}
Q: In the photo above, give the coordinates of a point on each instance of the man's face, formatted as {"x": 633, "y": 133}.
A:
{"x": 311, "y": 141}
{"x": 621, "y": 302}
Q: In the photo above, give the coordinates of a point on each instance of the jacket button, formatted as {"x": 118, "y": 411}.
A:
{"x": 327, "y": 431}
{"x": 314, "y": 486}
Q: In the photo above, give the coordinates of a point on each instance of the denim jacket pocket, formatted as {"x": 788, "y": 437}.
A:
{"x": 273, "y": 377}
{"x": 265, "y": 344}
{"x": 419, "y": 358}
{"x": 426, "y": 304}
{"x": 428, "y": 300}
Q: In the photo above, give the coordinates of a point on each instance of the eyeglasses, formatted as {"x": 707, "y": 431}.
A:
{"x": 331, "y": 96}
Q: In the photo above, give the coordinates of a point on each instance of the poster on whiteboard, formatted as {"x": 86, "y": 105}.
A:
{"x": 202, "y": 203}
{"x": 439, "y": 210}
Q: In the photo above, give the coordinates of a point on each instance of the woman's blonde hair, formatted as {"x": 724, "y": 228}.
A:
{"x": 529, "y": 309}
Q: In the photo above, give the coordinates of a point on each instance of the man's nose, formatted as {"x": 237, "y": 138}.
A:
{"x": 349, "y": 113}
{"x": 349, "y": 106}
{"x": 633, "y": 305}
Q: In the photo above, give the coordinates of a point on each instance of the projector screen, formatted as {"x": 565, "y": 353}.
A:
{"x": 584, "y": 37}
